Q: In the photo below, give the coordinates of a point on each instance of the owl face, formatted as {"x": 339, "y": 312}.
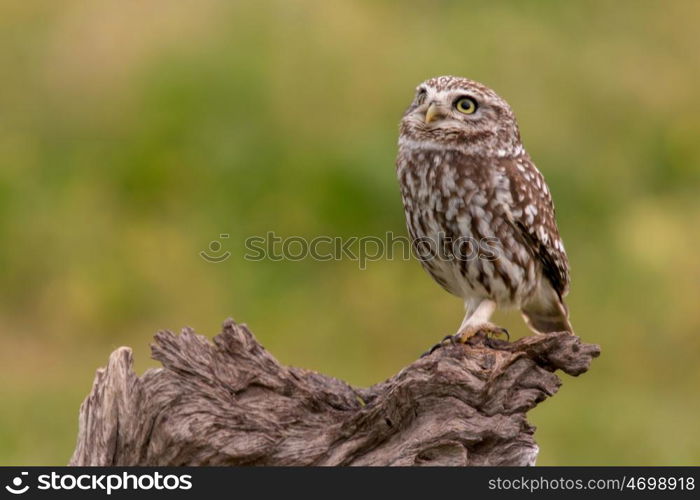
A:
{"x": 462, "y": 113}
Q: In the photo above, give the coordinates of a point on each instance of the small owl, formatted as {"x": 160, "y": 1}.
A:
{"x": 478, "y": 211}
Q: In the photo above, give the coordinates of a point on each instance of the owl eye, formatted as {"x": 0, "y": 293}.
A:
{"x": 420, "y": 97}
{"x": 466, "y": 105}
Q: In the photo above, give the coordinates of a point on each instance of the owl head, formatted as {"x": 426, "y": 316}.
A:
{"x": 460, "y": 113}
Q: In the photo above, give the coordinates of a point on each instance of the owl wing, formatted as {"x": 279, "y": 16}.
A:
{"x": 552, "y": 260}
{"x": 532, "y": 216}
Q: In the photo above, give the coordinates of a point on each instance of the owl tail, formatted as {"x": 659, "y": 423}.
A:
{"x": 547, "y": 313}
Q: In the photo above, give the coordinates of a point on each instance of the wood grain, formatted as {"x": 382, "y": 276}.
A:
{"x": 229, "y": 402}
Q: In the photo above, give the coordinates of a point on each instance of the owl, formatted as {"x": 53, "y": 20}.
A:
{"x": 478, "y": 211}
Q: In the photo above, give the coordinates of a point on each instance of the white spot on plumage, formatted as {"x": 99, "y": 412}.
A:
{"x": 468, "y": 184}
{"x": 478, "y": 212}
{"x": 449, "y": 184}
{"x": 453, "y": 206}
{"x": 487, "y": 267}
{"x": 530, "y": 213}
{"x": 484, "y": 229}
{"x": 479, "y": 199}
{"x": 464, "y": 224}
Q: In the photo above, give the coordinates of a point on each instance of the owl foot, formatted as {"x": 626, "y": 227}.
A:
{"x": 486, "y": 333}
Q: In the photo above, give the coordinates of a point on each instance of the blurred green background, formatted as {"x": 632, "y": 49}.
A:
{"x": 133, "y": 133}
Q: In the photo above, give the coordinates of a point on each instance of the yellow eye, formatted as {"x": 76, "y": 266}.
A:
{"x": 466, "y": 105}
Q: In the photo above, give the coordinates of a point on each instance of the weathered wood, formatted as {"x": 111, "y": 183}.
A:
{"x": 231, "y": 403}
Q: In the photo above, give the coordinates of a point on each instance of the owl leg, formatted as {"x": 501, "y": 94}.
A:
{"x": 476, "y": 320}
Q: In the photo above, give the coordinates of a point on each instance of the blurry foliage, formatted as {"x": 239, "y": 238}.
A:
{"x": 133, "y": 133}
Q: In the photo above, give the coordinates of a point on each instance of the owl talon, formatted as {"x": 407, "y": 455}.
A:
{"x": 487, "y": 332}
{"x": 451, "y": 338}
{"x": 494, "y": 338}
{"x": 499, "y": 332}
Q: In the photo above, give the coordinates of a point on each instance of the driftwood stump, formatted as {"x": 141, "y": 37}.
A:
{"x": 231, "y": 403}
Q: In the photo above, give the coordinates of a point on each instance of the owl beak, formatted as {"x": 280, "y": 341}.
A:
{"x": 434, "y": 112}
